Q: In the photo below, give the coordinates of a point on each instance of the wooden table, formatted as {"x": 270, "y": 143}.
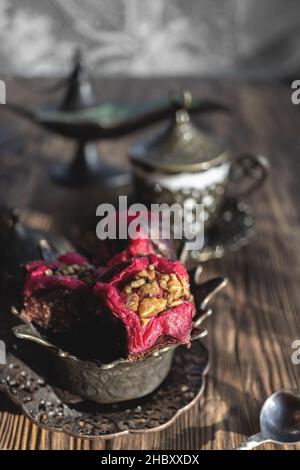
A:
{"x": 258, "y": 317}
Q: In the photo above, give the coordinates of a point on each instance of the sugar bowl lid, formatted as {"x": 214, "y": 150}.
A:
{"x": 180, "y": 146}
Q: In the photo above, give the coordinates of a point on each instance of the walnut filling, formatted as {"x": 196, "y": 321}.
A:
{"x": 152, "y": 292}
{"x": 82, "y": 272}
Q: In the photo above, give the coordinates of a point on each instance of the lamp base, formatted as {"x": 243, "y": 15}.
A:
{"x": 86, "y": 168}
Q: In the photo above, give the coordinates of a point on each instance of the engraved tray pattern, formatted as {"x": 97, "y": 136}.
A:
{"x": 57, "y": 410}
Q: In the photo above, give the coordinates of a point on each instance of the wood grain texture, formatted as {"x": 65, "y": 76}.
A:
{"x": 258, "y": 317}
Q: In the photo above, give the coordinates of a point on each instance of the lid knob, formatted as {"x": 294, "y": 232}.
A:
{"x": 179, "y": 146}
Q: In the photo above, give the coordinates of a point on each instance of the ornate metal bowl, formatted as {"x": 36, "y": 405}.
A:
{"x": 53, "y": 408}
{"x": 121, "y": 380}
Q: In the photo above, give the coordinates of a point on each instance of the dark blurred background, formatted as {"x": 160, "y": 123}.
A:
{"x": 254, "y": 39}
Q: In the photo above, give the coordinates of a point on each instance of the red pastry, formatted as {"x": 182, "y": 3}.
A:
{"x": 151, "y": 296}
{"x": 56, "y": 294}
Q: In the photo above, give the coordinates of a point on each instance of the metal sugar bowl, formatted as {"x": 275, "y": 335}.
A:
{"x": 184, "y": 164}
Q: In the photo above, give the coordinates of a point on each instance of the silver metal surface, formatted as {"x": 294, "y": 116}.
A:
{"x": 279, "y": 420}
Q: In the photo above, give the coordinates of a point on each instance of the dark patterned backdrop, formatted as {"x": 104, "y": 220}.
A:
{"x": 142, "y": 37}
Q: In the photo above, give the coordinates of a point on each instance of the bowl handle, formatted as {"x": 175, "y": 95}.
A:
{"x": 27, "y": 332}
{"x": 203, "y": 294}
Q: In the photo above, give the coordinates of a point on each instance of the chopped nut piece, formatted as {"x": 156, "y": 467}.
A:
{"x": 185, "y": 286}
{"x": 76, "y": 271}
{"x": 151, "y": 306}
{"x": 170, "y": 298}
{"x": 127, "y": 289}
{"x": 174, "y": 286}
{"x": 146, "y": 274}
{"x": 176, "y": 302}
{"x": 143, "y": 273}
{"x": 49, "y": 272}
{"x": 151, "y": 274}
{"x": 150, "y": 289}
{"x": 137, "y": 283}
{"x": 133, "y": 302}
{"x": 163, "y": 281}
{"x": 145, "y": 321}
